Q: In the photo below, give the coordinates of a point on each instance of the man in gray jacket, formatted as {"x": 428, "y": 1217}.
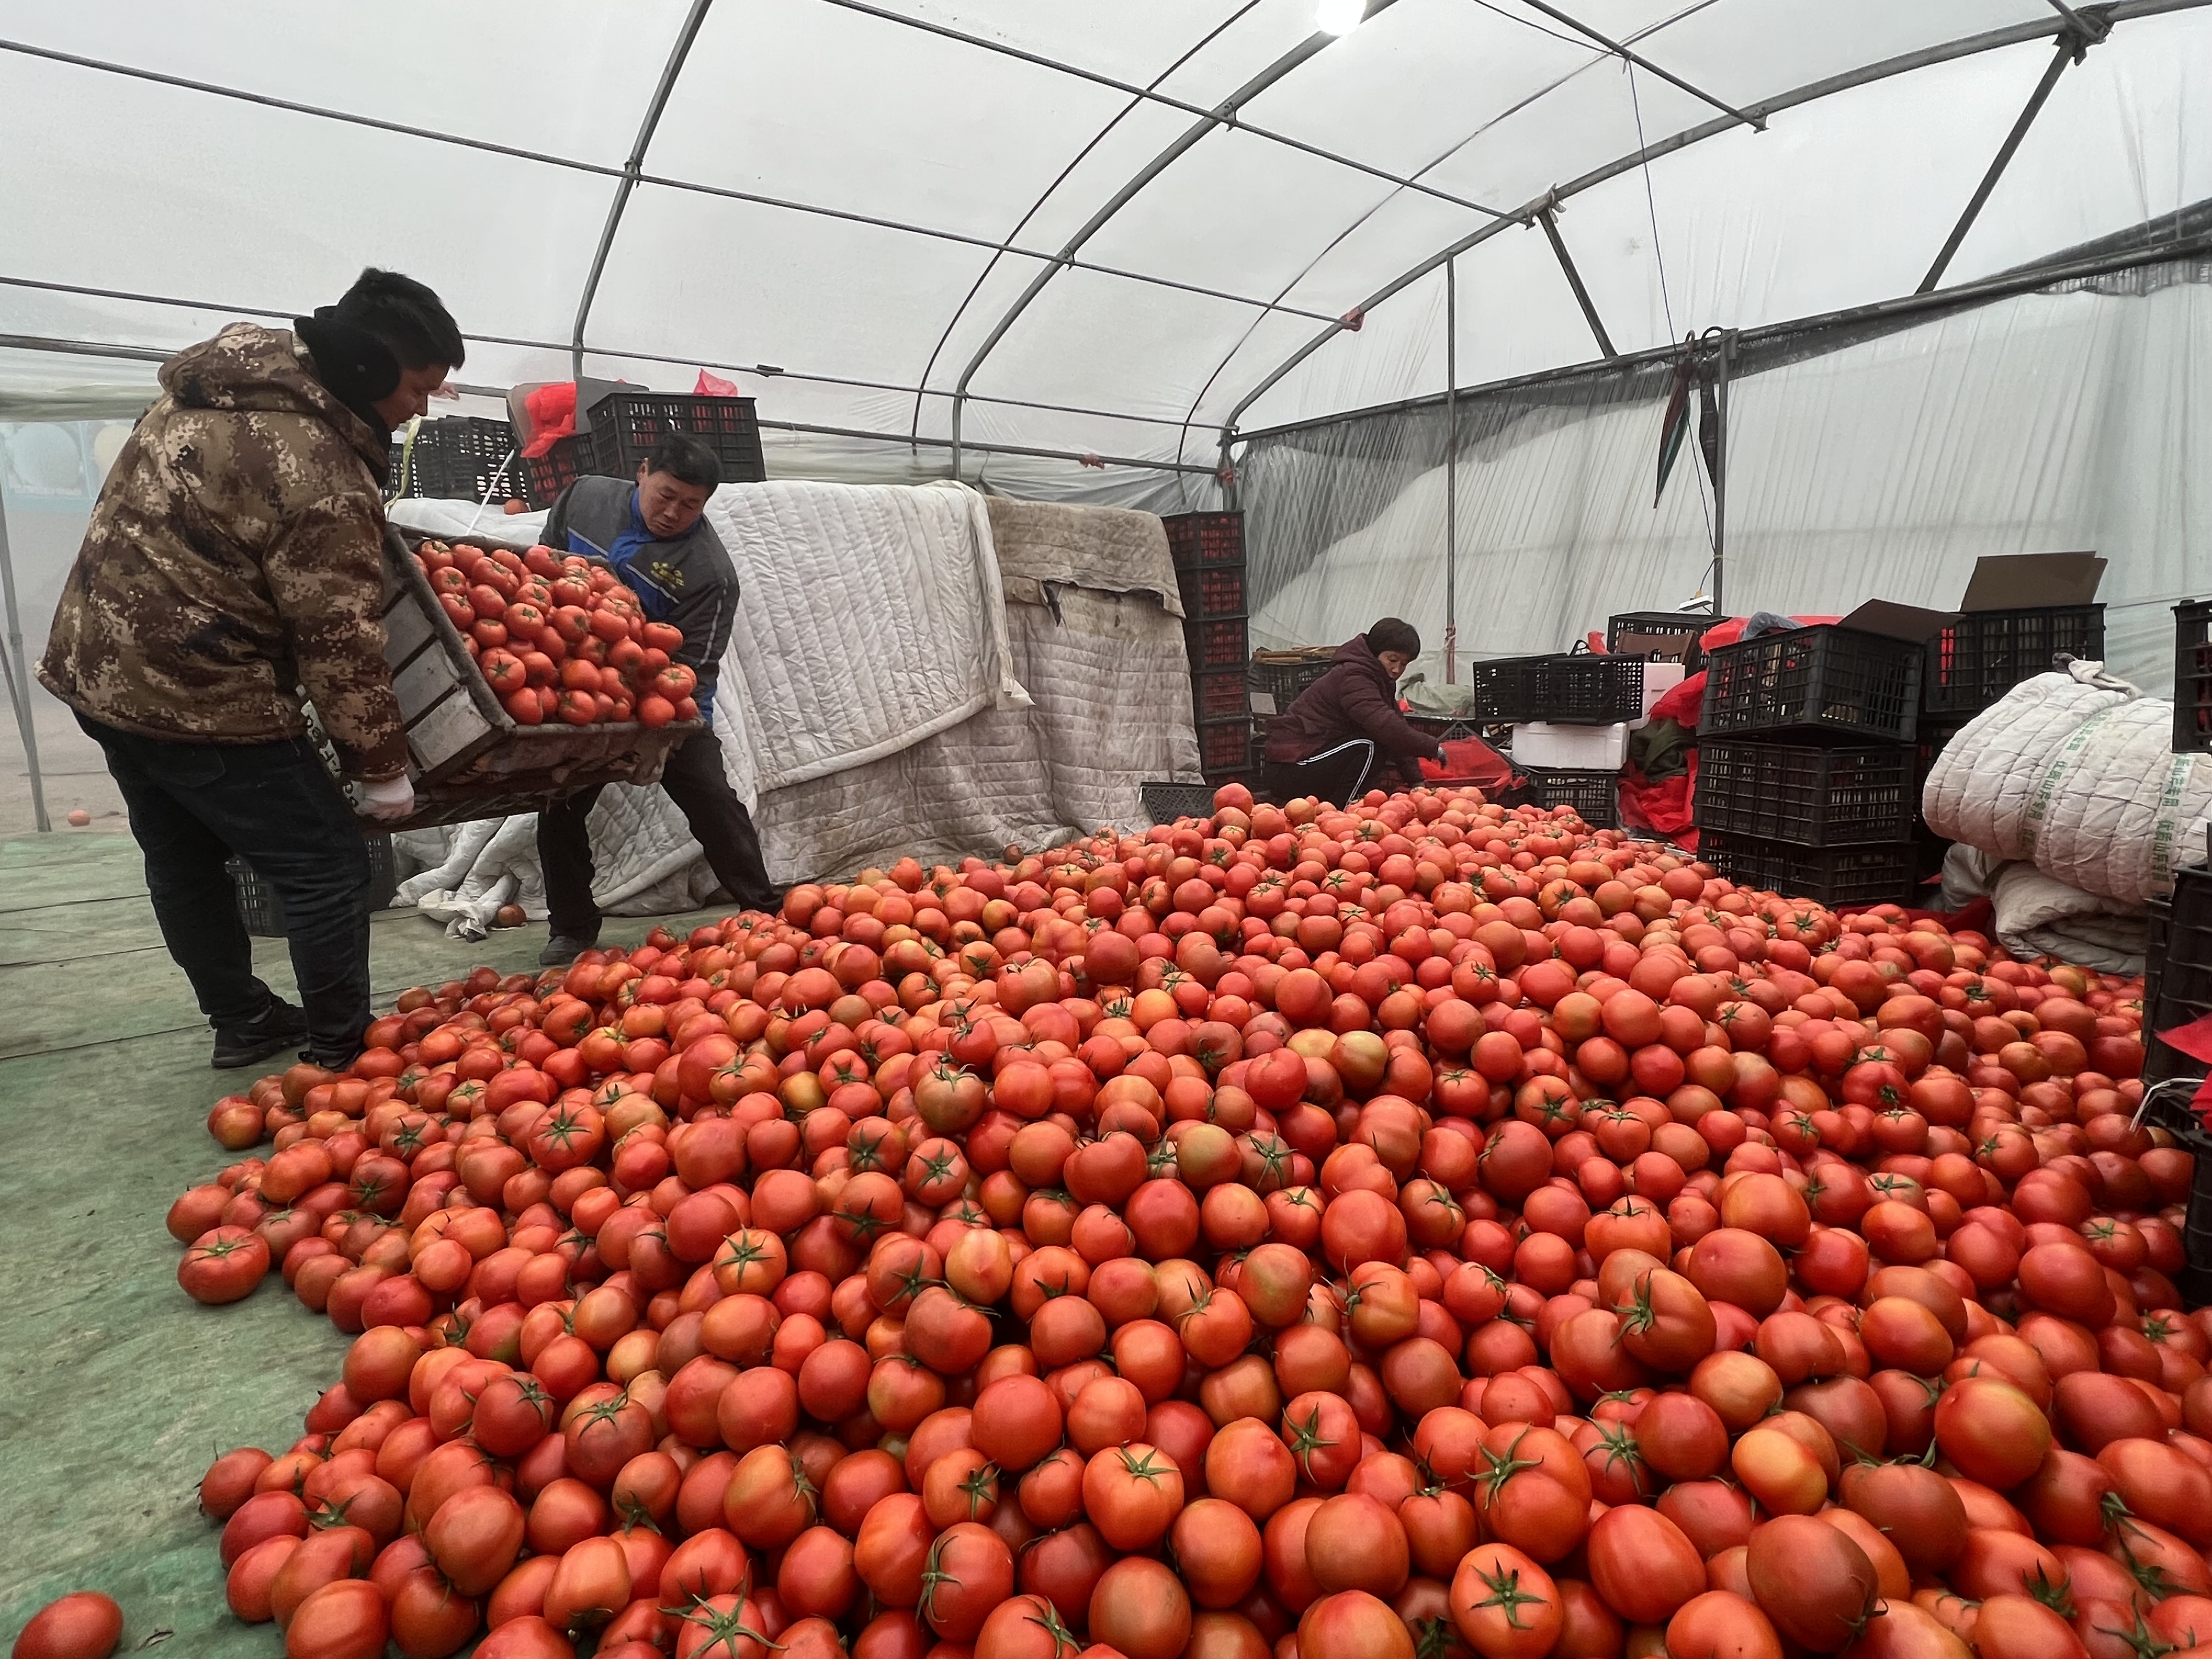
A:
{"x": 653, "y": 535}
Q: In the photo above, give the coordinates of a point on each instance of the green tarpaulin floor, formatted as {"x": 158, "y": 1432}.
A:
{"x": 115, "y": 1389}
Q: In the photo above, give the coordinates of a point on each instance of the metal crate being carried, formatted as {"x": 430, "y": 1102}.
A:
{"x": 1833, "y": 876}
{"x": 467, "y": 756}
{"x": 462, "y": 457}
{"x": 1827, "y": 680}
{"x": 1593, "y": 796}
{"x": 1816, "y": 797}
{"x": 1582, "y": 689}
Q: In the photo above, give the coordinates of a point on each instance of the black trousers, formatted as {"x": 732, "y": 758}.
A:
{"x": 276, "y": 805}
{"x": 1339, "y": 773}
{"x": 694, "y": 781}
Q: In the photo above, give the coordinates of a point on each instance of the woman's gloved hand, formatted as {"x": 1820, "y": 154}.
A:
{"x": 388, "y": 799}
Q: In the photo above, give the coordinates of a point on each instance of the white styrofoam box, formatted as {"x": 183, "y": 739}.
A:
{"x": 1659, "y": 678}
{"x": 1571, "y": 748}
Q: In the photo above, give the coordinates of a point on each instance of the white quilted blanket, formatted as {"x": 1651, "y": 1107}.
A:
{"x": 2074, "y": 773}
{"x": 874, "y": 702}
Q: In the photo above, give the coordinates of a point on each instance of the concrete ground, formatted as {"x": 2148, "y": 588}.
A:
{"x": 115, "y": 1389}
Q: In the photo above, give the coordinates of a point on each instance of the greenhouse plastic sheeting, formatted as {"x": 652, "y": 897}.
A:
{"x": 1883, "y": 467}
{"x": 1048, "y": 205}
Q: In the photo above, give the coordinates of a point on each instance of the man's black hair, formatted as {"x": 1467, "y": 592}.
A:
{"x": 1392, "y": 635}
{"x": 406, "y": 316}
{"x": 685, "y": 459}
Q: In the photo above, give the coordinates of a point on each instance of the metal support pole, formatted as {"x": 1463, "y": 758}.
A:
{"x": 1451, "y": 472}
{"x": 1574, "y": 281}
{"x": 2070, "y": 49}
{"x": 18, "y": 680}
{"x": 959, "y": 399}
{"x": 1721, "y": 473}
{"x": 1225, "y": 476}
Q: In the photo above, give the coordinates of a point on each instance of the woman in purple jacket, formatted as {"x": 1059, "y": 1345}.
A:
{"x": 1344, "y": 734}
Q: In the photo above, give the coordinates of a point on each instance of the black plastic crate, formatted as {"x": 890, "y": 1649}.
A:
{"x": 1446, "y": 728}
{"x": 1286, "y": 681}
{"x": 544, "y": 477}
{"x": 1933, "y": 738}
{"x": 1813, "y": 797}
{"x": 1225, "y": 745}
{"x": 1595, "y": 796}
{"x": 1164, "y": 803}
{"x": 1205, "y": 538}
{"x": 626, "y": 425}
{"x": 1219, "y": 693}
{"x": 1211, "y": 590}
{"x": 262, "y": 912}
{"x": 1215, "y": 643}
{"x": 1827, "y": 875}
{"x": 1584, "y": 689}
{"x": 1669, "y": 635}
{"x": 1983, "y": 654}
{"x": 464, "y": 458}
{"x": 1834, "y": 681}
{"x": 2192, "y": 677}
{"x": 2177, "y": 976}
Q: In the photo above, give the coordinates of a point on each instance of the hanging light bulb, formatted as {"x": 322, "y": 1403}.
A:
{"x": 1339, "y": 16}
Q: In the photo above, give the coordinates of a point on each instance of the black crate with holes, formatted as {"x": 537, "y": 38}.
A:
{"x": 1827, "y": 680}
{"x": 1816, "y": 797}
{"x": 1582, "y": 688}
{"x": 1214, "y": 642}
{"x": 2192, "y": 677}
{"x": 544, "y": 477}
{"x": 1197, "y": 539}
{"x": 2177, "y": 973}
{"x": 263, "y": 911}
{"x": 626, "y": 425}
{"x": 1665, "y": 635}
{"x": 1219, "y": 693}
{"x": 463, "y": 458}
{"x": 1595, "y": 796}
{"x": 1983, "y": 654}
{"x": 1224, "y": 747}
{"x": 1211, "y": 590}
{"x": 1285, "y": 676}
{"x": 1881, "y": 874}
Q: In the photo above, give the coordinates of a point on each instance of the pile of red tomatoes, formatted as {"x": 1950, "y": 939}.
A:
{"x": 1421, "y": 1230}
{"x": 558, "y": 638}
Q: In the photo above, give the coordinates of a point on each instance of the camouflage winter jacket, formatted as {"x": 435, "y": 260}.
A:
{"x": 234, "y": 559}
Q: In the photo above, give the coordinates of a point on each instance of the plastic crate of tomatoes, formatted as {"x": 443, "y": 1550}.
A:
{"x": 523, "y": 674}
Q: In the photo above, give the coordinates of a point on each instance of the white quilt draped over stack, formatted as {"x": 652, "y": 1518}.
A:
{"x": 2068, "y": 790}
{"x": 914, "y": 669}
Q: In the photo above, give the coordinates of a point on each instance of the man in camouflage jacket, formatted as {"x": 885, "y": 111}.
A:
{"x": 234, "y": 564}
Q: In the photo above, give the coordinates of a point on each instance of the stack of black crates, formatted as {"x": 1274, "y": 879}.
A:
{"x": 1978, "y": 657}
{"x": 2177, "y": 945}
{"x": 1806, "y": 763}
{"x": 468, "y": 458}
{"x": 1570, "y": 688}
{"x": 1208, "y": 548}
{"x": 2176, "y": 989}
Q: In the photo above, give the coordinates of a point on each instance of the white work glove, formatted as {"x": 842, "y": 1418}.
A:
{"x": 388, "y": 799}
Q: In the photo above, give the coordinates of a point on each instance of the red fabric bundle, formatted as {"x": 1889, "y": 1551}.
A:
{"x": 1470, "y": 760}
{"x": 552, "y": 411}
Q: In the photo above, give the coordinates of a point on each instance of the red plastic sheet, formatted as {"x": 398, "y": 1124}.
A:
{"x": 1470, "y": 761}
